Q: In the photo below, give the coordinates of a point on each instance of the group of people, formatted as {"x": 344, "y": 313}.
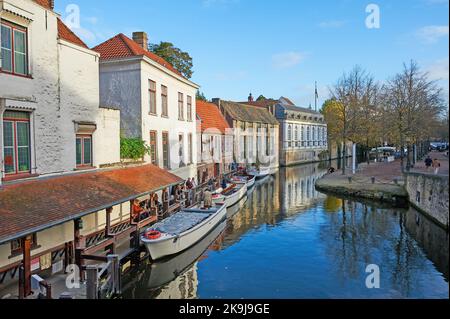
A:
{"x": 435, "y": 164}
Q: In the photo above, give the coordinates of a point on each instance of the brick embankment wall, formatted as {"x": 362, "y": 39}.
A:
{"x": 429, "y": 194}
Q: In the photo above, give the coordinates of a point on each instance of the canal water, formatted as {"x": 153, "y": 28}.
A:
{"x": 286, "y": 240}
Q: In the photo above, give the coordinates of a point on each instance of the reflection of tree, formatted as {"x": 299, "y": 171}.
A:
{"x": 332, "y": 204}
{"x": 361, "y": 235}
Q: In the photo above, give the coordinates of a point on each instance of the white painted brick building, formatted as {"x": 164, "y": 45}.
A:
{"x": 157, "y": 103}
{"x": 51, "y": 121}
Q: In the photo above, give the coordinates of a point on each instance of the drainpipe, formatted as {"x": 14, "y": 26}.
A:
{"x": 1, "y": 144}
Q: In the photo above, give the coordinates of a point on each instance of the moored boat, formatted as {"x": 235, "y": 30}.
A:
{"x": 231, "y": 195}
{"x": 261, "y": 172}
{"x": 181, "y": 231}
{"x": 249, "y": 180}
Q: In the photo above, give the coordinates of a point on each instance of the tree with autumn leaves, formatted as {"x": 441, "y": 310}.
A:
{"x": 404, "y": 111}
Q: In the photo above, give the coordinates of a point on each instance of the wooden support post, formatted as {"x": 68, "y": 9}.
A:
{"x": 131, "y": 211}
{"x": 92, "y": 282}
{"x": 26, "y": 249}
{"x": 108, "y": 221}
{"x": 78, "y": 249}
{"x": 114, "y": 263}
{"x": 166, "y": 201}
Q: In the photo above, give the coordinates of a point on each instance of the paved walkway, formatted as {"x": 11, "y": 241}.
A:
{"x": 443, "y": 159}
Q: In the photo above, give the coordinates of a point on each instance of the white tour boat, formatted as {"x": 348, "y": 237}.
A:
{"x": 249, "y": 180}
{"x": 260, "y": 173}
{"x": 231, "y": 195}
{"x": 181, "y": 231}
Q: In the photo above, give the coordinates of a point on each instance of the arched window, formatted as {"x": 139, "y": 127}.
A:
{"x": 296, "y": 136}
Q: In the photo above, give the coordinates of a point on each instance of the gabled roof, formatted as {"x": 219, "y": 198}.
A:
{"x": 248, "y": 113}
{"x": 33, "y": 206}
{"x": 45, "y": 3}
{"x": 121, "y": 46}
{"x": 262, "y": 103}
{"x": 66, "y": 34}
{"x": 211, "y": 117}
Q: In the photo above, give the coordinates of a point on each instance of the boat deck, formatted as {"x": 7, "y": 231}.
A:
{"x": 183, "y": 221}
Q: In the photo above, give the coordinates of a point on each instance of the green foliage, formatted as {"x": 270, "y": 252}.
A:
{"x": 201, "y": 96}
{"x": 133, "y": 148}
{"x": 261, "y": 98}
{"x": 180, "y": 60}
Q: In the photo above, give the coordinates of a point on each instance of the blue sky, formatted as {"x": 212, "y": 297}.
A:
{"x": 279, "y": 48}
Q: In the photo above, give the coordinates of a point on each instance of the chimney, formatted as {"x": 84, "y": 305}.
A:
{"x": 250, "y": 98}
{"x": 218, "y": 102}
{"x": 141, "y": 38}
{"x": 51, "y": 4}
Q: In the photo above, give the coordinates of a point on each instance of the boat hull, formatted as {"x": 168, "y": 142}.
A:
{"x": 234, "y": 198}
{"x": 174, "y": 245}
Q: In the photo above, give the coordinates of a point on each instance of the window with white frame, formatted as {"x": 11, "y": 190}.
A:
{"x": 14, "y": 50}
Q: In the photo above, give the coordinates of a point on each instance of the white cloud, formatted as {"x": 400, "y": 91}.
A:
{"x": 431, "y": 34}
{"x": 332, "y": 24}
{"x": 287, "y": 60}
{"x": 439, "y": 70}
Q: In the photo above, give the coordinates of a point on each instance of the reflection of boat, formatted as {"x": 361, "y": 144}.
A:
{"x": 233, "y": 210}
{"x": 165, "y": 271}
{"x": 244, "y": 179}
{"x": 231, "y": 195}
{"x": 182, "y": 230}
{"x": 260, "y": 173}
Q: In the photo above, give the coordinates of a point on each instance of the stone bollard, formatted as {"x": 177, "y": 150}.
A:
{"x": 396, "y": 181}
{"x": 373, "y": 180}
{"x": 350, "y": 179}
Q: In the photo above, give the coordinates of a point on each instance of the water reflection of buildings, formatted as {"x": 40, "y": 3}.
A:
{"x": 432, "y": 238}
{"x": 297, "y": 187}
{"x": 290, "y": 191}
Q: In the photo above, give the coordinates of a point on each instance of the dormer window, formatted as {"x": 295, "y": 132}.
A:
{"x": 14, "y": 49}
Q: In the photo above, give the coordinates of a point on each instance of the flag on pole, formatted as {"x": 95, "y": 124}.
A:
{"x": 316, "y": 97}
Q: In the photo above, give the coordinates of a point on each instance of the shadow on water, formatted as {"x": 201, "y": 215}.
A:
{"x": 286, "y": 240}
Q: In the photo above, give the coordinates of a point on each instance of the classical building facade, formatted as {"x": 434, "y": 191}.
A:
{"x": 215, "y": 142}
{"x": 303, "y": 134}
{"x": 256, "y": 133}
{"x": 157, "y": 103}
{"x": 51, "y": 121}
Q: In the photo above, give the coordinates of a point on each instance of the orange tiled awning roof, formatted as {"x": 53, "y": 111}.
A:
{"x": 32, "y": 206}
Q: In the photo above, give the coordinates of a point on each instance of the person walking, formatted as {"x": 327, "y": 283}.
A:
{"x": 436, "y": 166}
{"x": 428, "y": 163}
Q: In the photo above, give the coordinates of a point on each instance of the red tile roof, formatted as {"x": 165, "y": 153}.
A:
{"x": 211, "y": 117}
{"x": 66, "y": 34}
{"x": 45, "y": 3}
{"x": 121, "y": 46}
{"x": 32, "y": 206}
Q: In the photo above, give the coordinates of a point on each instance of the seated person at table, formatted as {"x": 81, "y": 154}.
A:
{"x": 138, "y": 213}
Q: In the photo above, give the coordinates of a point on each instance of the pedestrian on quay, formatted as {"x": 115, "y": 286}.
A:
{"x": 436, "y": 166}
{"x": 428, "y": 163}
{"x": 189, "y": 184}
